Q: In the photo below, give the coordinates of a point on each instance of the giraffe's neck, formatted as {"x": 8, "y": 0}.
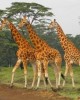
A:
{"x": 36, "y": 40}
{"x": 16, "y": 35}
{"x": 62, "y": 37}
{"x": 65, "y": 42}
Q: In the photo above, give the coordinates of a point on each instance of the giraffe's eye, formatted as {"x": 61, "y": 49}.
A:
{"x": 23, "y": 22}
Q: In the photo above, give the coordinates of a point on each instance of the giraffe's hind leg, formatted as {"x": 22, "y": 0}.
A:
{"x": 14, "y": 69}
{"x": 47, "y": 80}
{"x": 72, "y": 76}
{"x": 70, "y": 71}
{"x": 66, "y": 73}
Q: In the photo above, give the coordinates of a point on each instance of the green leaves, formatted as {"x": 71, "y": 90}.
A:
{"x": 1, "y": 13}
{"x": 33, "y": 11}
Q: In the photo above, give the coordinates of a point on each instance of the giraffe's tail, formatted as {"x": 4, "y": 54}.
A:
{"x": 62, "y": 76}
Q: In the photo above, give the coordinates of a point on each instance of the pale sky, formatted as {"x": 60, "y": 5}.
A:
{"x": 66, "y": 12}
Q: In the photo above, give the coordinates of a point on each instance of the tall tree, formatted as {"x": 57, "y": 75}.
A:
{"x": 38, "y": 15}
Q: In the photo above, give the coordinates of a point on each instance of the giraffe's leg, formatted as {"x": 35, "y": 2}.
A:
{"x": 45, "y": 65}
{"x": 14, "y": 69}
{"x": 56, "y": 75}
{"x": 43, "y": 76}
{"x": 35, "y": 73}
{"x": 59, "y": 78}
{"x": 39, "y": 73}
{"x": 58, "y": 65}
{"x": 72, "y": 77}
{"x": 66, "y": 73}
{"x": 44, "y": 81}
{"x": 25, "y": 72}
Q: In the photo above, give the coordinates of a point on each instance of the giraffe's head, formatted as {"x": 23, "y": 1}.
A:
{"x": 23, "y": 21}
{"x": 4, "y": 22}
{"x": 53, "y": 24}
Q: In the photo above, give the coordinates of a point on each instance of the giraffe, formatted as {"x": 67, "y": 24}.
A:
{"x": 25, "y": 52}
{"x": 48, "y": 54}
{"x": 71, "y": 53}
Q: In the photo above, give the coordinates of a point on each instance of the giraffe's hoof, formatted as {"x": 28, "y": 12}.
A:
{"x": 11, "y": 85}
{"x": 36, "y": 88}
{"x": 59, "y": 87}
{"x": 63, "y": 86}
{"x": 54, "y": 89}
{"x": 31, "y": 88}
{"x": 73, "y": 87}
{"x": 25, "y": 87}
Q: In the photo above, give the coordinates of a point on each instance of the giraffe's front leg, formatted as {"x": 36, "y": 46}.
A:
{"x": 14, "y": 69}
{"x": 25, "y": 72}
{"x": 39, "y": 73}
{"x": 72, "y": 76}
{"x": 35, "y": 73}
{"x": 56, "y": 73}
{"x": 57, "y": 69}
{"x": 43, "y": 76}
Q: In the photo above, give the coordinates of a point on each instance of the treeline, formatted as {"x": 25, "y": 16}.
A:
{"x": 39, "y": 16}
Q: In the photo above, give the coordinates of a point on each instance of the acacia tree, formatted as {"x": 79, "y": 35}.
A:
{"x": 38, "y": 15}
{"x": 34, "y": 11}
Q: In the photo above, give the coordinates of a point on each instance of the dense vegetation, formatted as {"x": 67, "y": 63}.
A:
{"x": 39, "y": 16}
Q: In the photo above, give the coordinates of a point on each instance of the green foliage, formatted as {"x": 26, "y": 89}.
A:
{"x": 77, "y": 41}
{"x": 32, "y": 10}
{"x": 1, "y": 13}
{"x": 7, "y": 49}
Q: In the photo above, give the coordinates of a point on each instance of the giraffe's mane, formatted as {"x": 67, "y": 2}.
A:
{"x": 68, "y": 38}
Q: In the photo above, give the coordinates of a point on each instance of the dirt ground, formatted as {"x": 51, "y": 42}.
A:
{"x": 7, "y": 93}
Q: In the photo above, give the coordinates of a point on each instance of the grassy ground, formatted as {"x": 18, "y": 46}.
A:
{"x": 5, "y": 76}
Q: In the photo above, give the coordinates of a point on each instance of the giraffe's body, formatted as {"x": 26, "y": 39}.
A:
{"x": 72, "y": 54}
{"x": 46, "y": 53}
{"x": 25, "y": 52}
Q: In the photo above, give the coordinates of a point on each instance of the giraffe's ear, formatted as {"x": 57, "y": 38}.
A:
{"x": 54, "y": 20}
